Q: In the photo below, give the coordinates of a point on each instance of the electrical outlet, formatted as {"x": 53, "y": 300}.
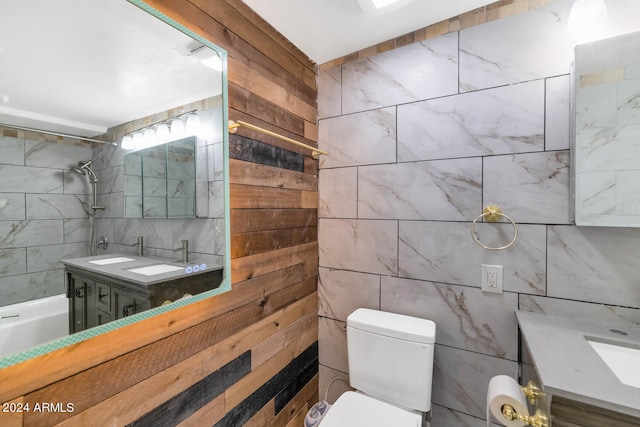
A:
{"x": 492, "y": 278}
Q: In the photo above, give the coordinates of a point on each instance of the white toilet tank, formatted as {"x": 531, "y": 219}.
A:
{"x": 391, "y": 357}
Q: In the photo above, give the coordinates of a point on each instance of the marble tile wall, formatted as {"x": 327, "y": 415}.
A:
{"x": 44, "y": 213}
{"x": 421, "y": 138}
{"x": 163, "y": 236}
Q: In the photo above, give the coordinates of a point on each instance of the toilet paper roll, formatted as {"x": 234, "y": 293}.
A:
{"x": 505, "y": 390}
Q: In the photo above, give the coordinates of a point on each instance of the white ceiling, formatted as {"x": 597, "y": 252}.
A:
{"x": 80, "y": 67}
{"x": 328, "y": 29}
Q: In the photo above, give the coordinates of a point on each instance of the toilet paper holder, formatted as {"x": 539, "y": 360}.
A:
{"x": 532, "y": 391}
{"x": 539, "y": 419}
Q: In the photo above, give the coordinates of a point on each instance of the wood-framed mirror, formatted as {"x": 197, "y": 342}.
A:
{"x": 77, "y": 78}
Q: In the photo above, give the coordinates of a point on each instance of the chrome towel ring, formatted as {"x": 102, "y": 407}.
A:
{"x": 493, "y": 214}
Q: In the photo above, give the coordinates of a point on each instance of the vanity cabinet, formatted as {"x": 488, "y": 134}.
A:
{"x": 99, "y": 294}
{"x": 94, "y": 301}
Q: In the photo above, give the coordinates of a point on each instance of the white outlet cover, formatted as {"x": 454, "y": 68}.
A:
{"x": 486, "y": 270}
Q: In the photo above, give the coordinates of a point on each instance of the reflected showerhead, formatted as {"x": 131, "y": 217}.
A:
{"x": 84, "y": 169}
{"x": 85, "y": 163}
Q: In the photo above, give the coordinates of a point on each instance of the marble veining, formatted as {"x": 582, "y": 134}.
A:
{"x": 524, "y": 47}
{"x": 359, "y": 139}
{"x": 368, "y": 246}
{"x": 411, "y": 73}
{"x": 445, "y": 252}
{"x": 463, "y": 317}
{"x": 435, "y": 190}
{"x": 502, "y": 120}
{"x": 530, "y": 188}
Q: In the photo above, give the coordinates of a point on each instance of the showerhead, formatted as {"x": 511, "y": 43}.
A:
{"x": 85, "y": 163}
{"x": 83, "y": 168}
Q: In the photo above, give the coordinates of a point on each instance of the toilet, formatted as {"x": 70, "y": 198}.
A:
{"x": 390, "y": 366}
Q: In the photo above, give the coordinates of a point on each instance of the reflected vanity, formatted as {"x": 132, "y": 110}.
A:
{"x": 606, "y": 152}
{"x": 165, "y": 191}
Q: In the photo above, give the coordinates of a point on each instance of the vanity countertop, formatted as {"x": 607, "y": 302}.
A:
{"x": 120, "y": 270}
{"x": 568, "y": 366}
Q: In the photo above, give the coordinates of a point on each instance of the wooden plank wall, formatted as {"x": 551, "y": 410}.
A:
{"x": 246, "y": 357}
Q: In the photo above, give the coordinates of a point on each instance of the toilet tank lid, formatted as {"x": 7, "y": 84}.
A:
{"x": 393, "y": 325}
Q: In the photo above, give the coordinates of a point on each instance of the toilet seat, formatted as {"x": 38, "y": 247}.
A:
{"x": 358, "y": 410}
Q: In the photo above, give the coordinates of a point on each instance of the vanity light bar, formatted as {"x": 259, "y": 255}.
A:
{"x": 64, "y": 135}
{"x": 159, "y": 133}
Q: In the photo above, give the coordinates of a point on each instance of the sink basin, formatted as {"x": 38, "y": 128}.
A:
{"x": 151, "y": 270}
{"x": 622, "y": 359}
{"x": 107, "y": 261}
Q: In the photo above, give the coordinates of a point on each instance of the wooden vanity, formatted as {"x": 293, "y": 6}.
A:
{"x": 101, "y": 293}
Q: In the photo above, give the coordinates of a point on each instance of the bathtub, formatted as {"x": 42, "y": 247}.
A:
{"x": 30, "y": 323}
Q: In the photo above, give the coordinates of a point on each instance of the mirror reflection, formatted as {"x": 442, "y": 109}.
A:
{"x": 607, "y": 130}
{"x": 94, "y": 228}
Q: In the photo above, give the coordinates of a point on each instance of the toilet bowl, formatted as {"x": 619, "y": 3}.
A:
{"x": 390, "y": 366}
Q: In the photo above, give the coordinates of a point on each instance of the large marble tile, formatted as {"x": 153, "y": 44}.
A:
{"x": 503, "y": 120}
{"x": 332, "y": 338}
{"x": 433, "y": 190}
{"x": 445, "y": 252}
{"x": 57, "y": 206}
{"x": 523, "y": 47}
{"x": 594, "y": 264}
{"x": 11, "y": 150}
{"x": 30, "y": 233}
{"x": 461, "y": 379}
{"x": 592, "y": 312}
{"x": 558, "y": 113}
{"x": 414, "y": 72}
{"x": 358, "y": 139}
{"x": 341, "y": 292}
{"x": 27, "y": 287}
{"x": 200, "y": 233}
{"x": 76, "y": 230}
{"x": 330, "y": 92}
{"x": 465, "y": 317}
{"x": 30, "y": 179}
{"x": 158, "y": 233}
{"x": 338, "y": 193}
{"x": 13, "y": 261}
{"x": 60, "y": 155}
{"x": 12, "y": 206}
{"x": 127, "y": 230}
{"x": 367, "y": 246}
{"x": 530, "y": 188}
{"x": 42, "y": 258}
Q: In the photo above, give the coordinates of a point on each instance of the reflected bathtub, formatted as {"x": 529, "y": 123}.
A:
{"x": 30, "y": 323}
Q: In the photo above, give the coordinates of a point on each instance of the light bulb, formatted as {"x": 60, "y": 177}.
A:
{"x": 193, "y": 124}
{"x": 149, "y": 136}
{"x": 178, "y": 130}
{"x": 138, "y": 140}
{"x": 162, "y": 132}
{"x": 127, "y": 142}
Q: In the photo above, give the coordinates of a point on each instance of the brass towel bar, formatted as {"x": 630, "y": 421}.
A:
{"x": 235, "y": 125}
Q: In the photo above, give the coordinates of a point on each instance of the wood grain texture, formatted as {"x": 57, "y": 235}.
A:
{"x": 567, "y": 412}
{"x": 118, "y": 377}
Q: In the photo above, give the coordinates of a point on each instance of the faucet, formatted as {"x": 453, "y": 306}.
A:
{"x": 140, "y": 245}
{"x": 103, "y": 242}
{"x": 185, "y": 251}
